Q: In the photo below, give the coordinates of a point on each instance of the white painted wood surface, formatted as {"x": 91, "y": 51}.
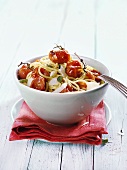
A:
{"x": 94, "y": 28}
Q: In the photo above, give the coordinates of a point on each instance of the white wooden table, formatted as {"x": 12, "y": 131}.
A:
{"x": 94, "y": 28}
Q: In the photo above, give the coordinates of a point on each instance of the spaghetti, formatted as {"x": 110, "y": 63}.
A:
{"x": 51, "y": 74}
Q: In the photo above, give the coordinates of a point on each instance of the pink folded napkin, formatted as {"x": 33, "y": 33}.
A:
{"x": 29, "y": 126}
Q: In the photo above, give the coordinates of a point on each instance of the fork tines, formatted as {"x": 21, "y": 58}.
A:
{"x": 119, "y": 86}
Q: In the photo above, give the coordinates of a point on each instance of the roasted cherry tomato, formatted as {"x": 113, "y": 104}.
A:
{"x": 23, "y": 71}
{"x": 82, "y": 85}
{"x": 67, "y": 89}
{"x": 60, "y": 56}
{"x": 38, "y": 83}
{"x": 74, "y": 69}
{"x": 96, "y": 72}
{"x": 35, "y": 73}
{"x": 90, "y": 75}
{"x": 45, "y": 72}
{"x": 97, "y": 79}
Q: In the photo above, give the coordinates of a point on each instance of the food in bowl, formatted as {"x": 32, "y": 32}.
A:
{"x": 74, "y": 101}
{"x": 59, "y": 72}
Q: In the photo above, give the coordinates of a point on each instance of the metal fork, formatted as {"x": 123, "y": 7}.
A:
{"x": 115, "y": 83}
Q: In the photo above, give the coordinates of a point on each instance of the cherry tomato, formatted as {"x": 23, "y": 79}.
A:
{"x": 74, "y": 69}
{"x": 60, "y": 56}
{"x": 97, "y": 79}
{"x": 90, "y": 75}
{"x": 45, "y": 72}
{"x": 82, "y": 85}
{"x": 96, "y": 72}
{"x": 67, "y": 89}
{"x": 23, "y": 71}
{"x": 35, "y": 73}
{"x": 38, "y": 83}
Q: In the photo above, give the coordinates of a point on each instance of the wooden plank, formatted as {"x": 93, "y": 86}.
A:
{"x": 78, "y": 32}
{"x": 111, "y": 49}
{"x": 112, "y": 36}
{"x": 77, "y": 35}
{"x": 77, "y": 156}
{"x": 44, "y": 29}
{"x": 14, "y": 20}
{"x": 113, "y": 154}
{"x": 44, "y": 156}
{"x": 24, "y": 23}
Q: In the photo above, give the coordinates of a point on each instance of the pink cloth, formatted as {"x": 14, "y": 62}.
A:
{"x": 89, "y": 131}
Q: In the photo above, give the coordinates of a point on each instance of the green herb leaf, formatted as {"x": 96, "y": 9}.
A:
{"x": 104, "y": 141}
{"x": 48, "y": 65}
{"x": 59, "y": 79}
{"x": 23, "y": 81}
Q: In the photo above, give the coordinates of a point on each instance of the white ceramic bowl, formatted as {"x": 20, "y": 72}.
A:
{"x": 64, "y": 108}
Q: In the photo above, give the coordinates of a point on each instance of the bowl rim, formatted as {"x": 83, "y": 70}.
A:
{"x": 68, "y": 93}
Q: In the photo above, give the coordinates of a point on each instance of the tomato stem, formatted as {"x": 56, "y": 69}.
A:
{"x": 84, "y": 64}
